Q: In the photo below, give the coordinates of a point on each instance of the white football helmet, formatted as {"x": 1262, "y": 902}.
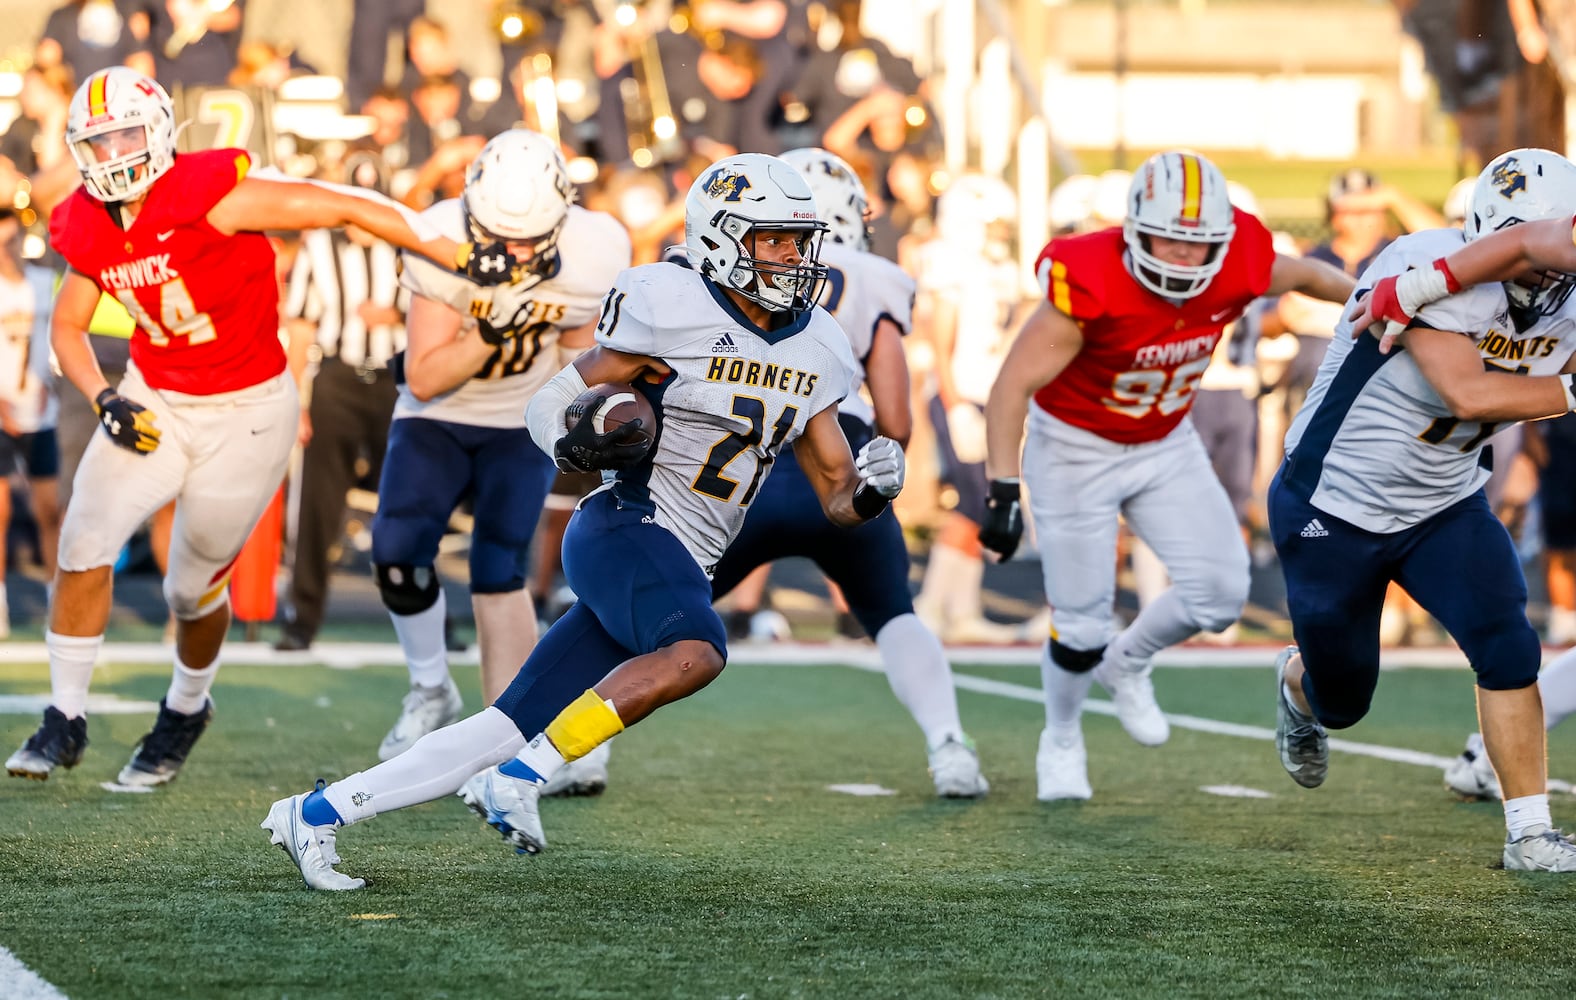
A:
{"x": 754, "y": 193}
{"x": 1525, "y": 185}
{"x": 121, "y": 131}
{"x": 1071, "y": 204}
{"x": 1178, "y": 196}
{"x": 970, "y": 209}
{"x": 518, "y": 190}
{"x": 840, "y": 198}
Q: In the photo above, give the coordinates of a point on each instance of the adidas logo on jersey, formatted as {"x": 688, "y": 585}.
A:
{"x": 725, "y": 345}
{"x": 1313, "y": 529}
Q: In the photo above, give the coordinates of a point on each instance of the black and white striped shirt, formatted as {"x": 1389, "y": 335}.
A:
{"x": 332, "y": 277}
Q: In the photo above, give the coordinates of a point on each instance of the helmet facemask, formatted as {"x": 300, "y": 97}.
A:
{"x": 777, "y": 287}
{"x": 544, "y": 262}
{"x": 1176, "y": 281}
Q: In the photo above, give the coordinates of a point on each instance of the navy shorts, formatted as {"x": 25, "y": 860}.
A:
{"x": 967, "y": 478}
{"x": 37, "y": 454}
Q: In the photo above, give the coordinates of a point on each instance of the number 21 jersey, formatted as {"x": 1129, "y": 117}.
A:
{"x": 1143, "y": 355}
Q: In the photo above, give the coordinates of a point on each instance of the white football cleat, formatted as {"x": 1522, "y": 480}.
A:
{"x": 1062, "y": 766}
{"x": 424, "y": 710}
{"x": 1133, "y": 694}
{"x": 585, "y": 776}
{"x": 955, "y": 769}
{"x": 1541, "y": 849}
{"x": 1470, "y": 775}
{"x": 1303, "y": 744}
{"x": 310, "y": 847}
{"x": 510, "y": 806}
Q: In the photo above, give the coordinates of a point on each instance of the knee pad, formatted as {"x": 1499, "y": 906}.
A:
{"x": 1505, "y": 658}
{"x": 407, "y": 590}
{"x": 496, "y": 568}
{"x": 1076, "y": 661}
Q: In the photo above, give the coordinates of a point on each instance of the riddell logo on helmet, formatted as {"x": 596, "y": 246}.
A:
{"x": 804, "y": 215}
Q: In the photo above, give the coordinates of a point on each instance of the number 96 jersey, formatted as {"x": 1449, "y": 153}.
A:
{"x": 1143, "y": 355}
{"x": 593, "y": 248}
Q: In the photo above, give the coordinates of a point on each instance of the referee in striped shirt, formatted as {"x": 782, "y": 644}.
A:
{"x": 346, "y": 283}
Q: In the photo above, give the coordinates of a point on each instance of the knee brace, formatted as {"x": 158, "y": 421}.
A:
{"x": 407, "y": 590}
{"x": 1506, "y": 658}
{"x": 496, "y": 568}
{"x": 1075, "y": 661}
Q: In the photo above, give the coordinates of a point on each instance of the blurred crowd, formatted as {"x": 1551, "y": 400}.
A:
{"x": 669, "y": 86}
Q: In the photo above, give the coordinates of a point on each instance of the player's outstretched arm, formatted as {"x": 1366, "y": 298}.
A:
{"x": 256, "y": 205}
{"x": 1453, "y": 365}
{"x": 1313, "y": 278}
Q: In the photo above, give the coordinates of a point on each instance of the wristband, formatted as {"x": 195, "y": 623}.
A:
{"x": 869, "y": 503}
{"x": 1443, "y": 267}
{"x": 1570, "y": 394}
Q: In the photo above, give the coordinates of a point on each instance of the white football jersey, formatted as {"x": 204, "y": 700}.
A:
{"x": 737, "y": 396}
{"x": 593, "y": 248}
{"x": 26, "y": 379}
{"x": 861, "y": 290}
{"x": 985, "y": 293}
{"x": 1374, "y": 444}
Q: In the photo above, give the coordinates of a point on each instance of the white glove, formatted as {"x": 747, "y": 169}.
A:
{"x": 507, "y": 315}
{"x": 880, "y": 465}
{"x": 966, "y": 427}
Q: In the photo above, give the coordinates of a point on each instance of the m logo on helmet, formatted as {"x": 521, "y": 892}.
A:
{"x": 726, "y": 185}
{"x": 1508, "y": 178}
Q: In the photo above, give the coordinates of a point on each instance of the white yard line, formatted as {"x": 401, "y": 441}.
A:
{"x": 21, "y": 983}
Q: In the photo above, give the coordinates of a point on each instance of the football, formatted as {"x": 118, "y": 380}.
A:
{"x": 610, "y": 405}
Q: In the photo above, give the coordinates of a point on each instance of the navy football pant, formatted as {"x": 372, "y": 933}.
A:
{"x": 639, "y": 590}
{"x": 1459, "y": 564}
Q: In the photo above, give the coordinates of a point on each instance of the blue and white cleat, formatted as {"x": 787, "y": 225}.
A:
{"x": 583, "y": 776}
{"x": 510, "y": 806}
{"x": 310, "y": 847}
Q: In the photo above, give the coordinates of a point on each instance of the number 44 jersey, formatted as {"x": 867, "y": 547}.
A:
{"x": 1143, "y": 355}
{"x": 737, "y": 396}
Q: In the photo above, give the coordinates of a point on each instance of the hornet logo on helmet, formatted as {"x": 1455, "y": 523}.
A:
{"x": 1508, "y": 178}
{"x": 727, "y": 185}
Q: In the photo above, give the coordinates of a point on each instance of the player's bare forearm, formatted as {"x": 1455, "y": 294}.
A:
{"x": 603, "y": 364}
{"x": 1453, "y": 366}
{"x": 1547, "y": 245}
{"x": 1313, "y": 278}
{"x": 447, "y": 366}
{"x": 886, "y": 376}
{"x": 1042, "y": 350}
{"x": 823, "y": 455}
{"x": 68, "y": 334}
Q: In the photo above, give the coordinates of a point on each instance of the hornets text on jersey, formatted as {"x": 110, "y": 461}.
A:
{"x": 1143, "y": 355}
{"x": 1374, "y": 444}
{"x": 735, "y": 398}
{"x": 206, "y": 303}
{"x": 593, "y": 247}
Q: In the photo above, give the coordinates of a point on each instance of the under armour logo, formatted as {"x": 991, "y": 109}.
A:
{"x": 492, "y": 262}
{"x": 1313, "y": 529}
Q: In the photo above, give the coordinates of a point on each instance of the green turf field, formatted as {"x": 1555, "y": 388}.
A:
{"x": 718, "y": 864}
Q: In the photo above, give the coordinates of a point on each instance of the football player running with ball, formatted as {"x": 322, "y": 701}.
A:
{"x": 639, "y": 551}
{"x": 206, "y": 414}
{"x": 476, "y": 356}
{"x": 872, "y": 299}
{"x": 1387, "y": 455}
{"x": 1110, "y": 361}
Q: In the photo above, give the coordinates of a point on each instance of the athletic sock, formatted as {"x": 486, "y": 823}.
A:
{"x": 1065, "y": 692}
{"x": 189, "y": 688}
{"x": 421, "y": 640}
{"x": 920, "y": 676}
{"x": 1526, "y": 813}
{"x": 536, "y": 762}
{"x": 71, "y": 659}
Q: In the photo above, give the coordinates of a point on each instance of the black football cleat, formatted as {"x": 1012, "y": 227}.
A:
{"x": 59, "y": 742}
{"x": 158, "y": 758}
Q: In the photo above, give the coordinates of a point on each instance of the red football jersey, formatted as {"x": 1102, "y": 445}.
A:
{"x": 206, "y": 304}
{"x": 1142, "y": 355}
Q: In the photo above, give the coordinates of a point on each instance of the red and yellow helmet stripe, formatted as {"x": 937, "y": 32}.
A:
{"x": 1192, "y": 189}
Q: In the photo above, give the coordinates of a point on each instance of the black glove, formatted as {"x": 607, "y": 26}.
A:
{"x": 1003, "y": 527}
{"x": 128, "y": 424}
{"x": 584, "y": 450}
{"x": 485, "y": 263}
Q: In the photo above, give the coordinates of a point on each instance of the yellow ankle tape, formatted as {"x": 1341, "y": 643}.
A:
{"x": 587, "y": 723}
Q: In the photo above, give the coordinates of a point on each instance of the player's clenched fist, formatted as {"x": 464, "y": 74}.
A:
{"x": 511, "y": 305}
{"x": 582, "y": 449}
{"x": 880, "y": 465}
{"x": 1003, "y": 526}
{"x": 128, "y": 424}
{"x": 485, "y": 263}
